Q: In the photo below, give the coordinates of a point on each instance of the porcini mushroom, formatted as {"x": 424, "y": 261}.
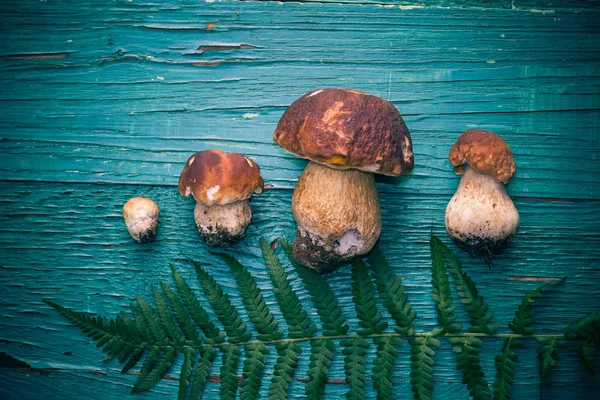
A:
{"x": 480, "y": 217}
{"x": 347, "y": 136}
{"x": 221, "y": 184}
{"x": 141, "y": 219}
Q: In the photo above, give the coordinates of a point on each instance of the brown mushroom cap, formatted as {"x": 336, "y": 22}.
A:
{"x": 345, "y": 129}
{"x": 485, "y": 152}
{"x": 214, "y": 177}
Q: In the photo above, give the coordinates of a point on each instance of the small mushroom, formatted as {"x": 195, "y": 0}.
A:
{"x": 221, "y": 184}
{"x": 480, "y": 217}
{"x": 347, "y": 135}
{"x": 141, "y": 218}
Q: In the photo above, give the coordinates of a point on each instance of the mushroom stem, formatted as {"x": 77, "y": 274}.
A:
{"x": 481, "y": 218}
{"x": 221, "y": 225}
{"x": 338, "y": 216}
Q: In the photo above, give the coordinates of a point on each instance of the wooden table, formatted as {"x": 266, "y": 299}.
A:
{"x": 103, "y": 101}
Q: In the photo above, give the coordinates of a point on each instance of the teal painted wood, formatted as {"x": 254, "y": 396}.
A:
{"x": 121, "y": 93}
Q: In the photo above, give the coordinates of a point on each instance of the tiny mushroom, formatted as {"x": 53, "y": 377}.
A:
{"x": 480, "y": 217}
{"x": 347, "y": 136}
{"x": 141, "y": 219}
{"x": 221, "y": 184}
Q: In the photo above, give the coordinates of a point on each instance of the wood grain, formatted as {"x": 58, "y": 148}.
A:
{"x": 103, "y": 101}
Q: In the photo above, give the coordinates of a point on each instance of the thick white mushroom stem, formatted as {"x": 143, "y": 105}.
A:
{"x": 481, "y": 218}
{"x": 338, "y": 216}
{"x": 221, "y": 225}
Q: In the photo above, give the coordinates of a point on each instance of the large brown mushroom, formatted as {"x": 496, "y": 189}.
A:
{"x": 480, "y": 217}
{"x": 348, "y": 136}
{"x": 221, "y": 184}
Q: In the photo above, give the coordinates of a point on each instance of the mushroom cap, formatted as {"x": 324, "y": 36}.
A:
{"x": 345, "y": 129}
{"x": 214, "y": 177}
{"x": 485, "y": 152}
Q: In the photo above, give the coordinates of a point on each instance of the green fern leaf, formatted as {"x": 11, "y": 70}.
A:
{"x": 505, "y": 370}
{"x": 547, "y": 356}
{"x": 468, "y": 361}
{"x": 300, "y": 325}
{"x": 93, "y": 327}
{"x": 334, "y": 322}
{"x": 355, "y": 350}
{"x": 254, "y": 370}
{"x": 474, "y": 304}
{"x": 147, "y": 367}
{"x": 289, "y": 354}
{"x": 140, "y": 323}
{"x": 196, "y": 311}
{"x": 228, "y": 377}
{"x": 392, "y": 292}
{"x": 226, "y": 312}
{"x": 321, "y": 356}
{"x": 587, "y": 327}
{"x": 157, "y": 332}
{"x": 258, "y": 311}
{"x": 384, "y": 365}
{"x": 185, "y": 375}
{"x": 165, "y": 317}
{"x": 181, "y": 316}
{"x": 587, "y": 356}
{"x": 201, "y": 371}
{"x": 524, "y": 317}
{"x": 441, "y": 289}
{"x": 159, "y": 369}
{"x": 126, "y": 327}
{"x": 133, "y": 360}
{"x": 421, "y": 366}
{"x": 114, "y": 347}
{"x": 363, "y": 295}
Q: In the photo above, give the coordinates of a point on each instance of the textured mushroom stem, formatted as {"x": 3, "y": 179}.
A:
{"x": 480, "y": 217}
{"x": 338, "y": 216}
{"x": 221, "y": 225}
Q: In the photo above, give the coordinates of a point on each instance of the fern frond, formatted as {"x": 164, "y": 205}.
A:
{"x": 363, "y": 296}
{"x": 228, "y": 377}
{"x": 321, "y": 356}
{"x": 334, "y": 322}
{"x": 355, "y": 350}
{"x": 90, "y": 326}
{"x": 300, "y": 325}
{"x": 147, "y": 367}
{"x": 392, "y": 292}
{"x": 133, "y": 360}
{"x": 182, "y": 317}
{"x": 157, "y": 332}
{"x": 140, "y": 323}
{"x": 201, "y": 371}
{"x": 258, "y": 311}
{"x": 421, "y": 366}
{"x": 587, "y": 327}
{"x": 165, "y": 317}
{"x": 384, "y": 365}
{"x": 547, "y": 356}
{"x": 196, "y": 311}
{"x": 441, "y": 289}
{"x": 185, "y": 376}
{"x": 524, "y": 316}
{"x": 289, "y": 354}
{"x": 254, "y": 370}
{"x": 219, "y": 301}
{"x": 159, "y": 369}
{"x": 473, "y": 302}
{"x": 505, "y": 370}
{"x": 469, "y": 362}
{"x": 587, "y": 356}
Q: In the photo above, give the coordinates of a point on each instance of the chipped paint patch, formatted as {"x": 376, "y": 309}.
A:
{"x": 160, "y": 78}
{"x": 250, "y": 115}
{"x": 491, "y": 61}
{"x": 410, "y": 7}
{"x": 543, "y": 11}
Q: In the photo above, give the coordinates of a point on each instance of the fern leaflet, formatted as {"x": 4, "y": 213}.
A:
{"x": 467, "y": 356}
{"x": 186, "y": 372}
{"x": 587, "y": 327}
{"x": 321, "y": 356}
{"x": 586, "y": 354}
{"x": 254, "y": 370}
{"x": 421, "y": 366}
{"x": 147, "y": 367}
{"x": 159, "y": 369}
{"x": 228, "y": 378}
{"x": 334, "y": 322}
{"x": 383, "y": 365}
{"x": 547, "y": 357}
{"x": 165, "y": 317}
{"x": 289, "y": 354}
{"x": 201, "y": 371}
{"x": 363, "y": 296}
{"x": 181, "y": 316}
{"x": 355, "y": 350}
{"x": 157, "y": 332}
{"x": 505, "y": 369}
{"x": 300, "y": 325}
{"x": 392, "y": 292}
{"x": 441, "y": 289}
{"x": 524, "y": 316}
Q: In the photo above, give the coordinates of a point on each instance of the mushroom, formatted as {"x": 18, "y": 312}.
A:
{"x": 347, "y": 136}
{"x": 480, "y": 217}
{"x": 221, "y": 184}
{"x": 141, "y": 219}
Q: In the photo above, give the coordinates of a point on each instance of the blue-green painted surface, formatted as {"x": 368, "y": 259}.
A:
{"x": 103, "y": 101}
